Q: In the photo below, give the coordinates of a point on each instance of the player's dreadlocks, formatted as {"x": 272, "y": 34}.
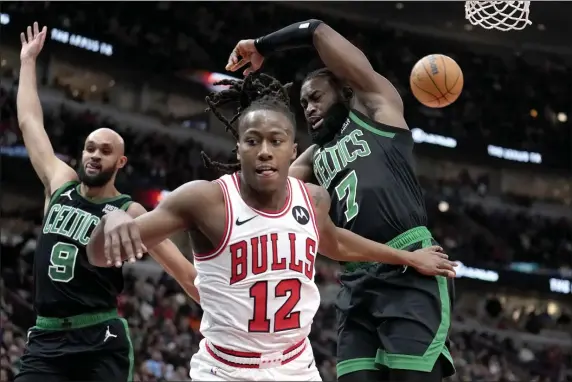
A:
{"x": 257, "y": 91}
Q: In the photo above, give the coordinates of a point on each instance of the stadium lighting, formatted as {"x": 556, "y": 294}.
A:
{"x": 562, "y": 117}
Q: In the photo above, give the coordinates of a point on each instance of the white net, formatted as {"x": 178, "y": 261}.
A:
{"x": 501, "y": 15}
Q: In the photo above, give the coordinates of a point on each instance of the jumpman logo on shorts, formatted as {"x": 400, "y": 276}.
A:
{"x": 109, "y": 335}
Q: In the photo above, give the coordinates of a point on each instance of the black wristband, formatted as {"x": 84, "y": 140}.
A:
{"x": 297, "y": 35}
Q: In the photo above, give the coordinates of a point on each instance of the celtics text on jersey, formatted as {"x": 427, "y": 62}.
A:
{"x": 66, "y": 284}
{"x": 368, "y": 169}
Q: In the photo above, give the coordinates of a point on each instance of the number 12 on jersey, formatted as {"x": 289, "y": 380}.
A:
{"x": 284, "y": 318}
{"x": 347, "y": 188}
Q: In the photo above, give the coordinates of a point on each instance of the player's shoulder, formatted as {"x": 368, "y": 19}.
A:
{"x": 383, "y": 122}
{"x": 198, "y": 191}
{"x": 319, "y": 196}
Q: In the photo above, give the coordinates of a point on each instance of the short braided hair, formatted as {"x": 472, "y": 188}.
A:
{"x": 258, "y": 91}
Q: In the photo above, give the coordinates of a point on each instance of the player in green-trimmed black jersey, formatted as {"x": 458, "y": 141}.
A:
{"x": 393, "y": 320}
{"x": 78, "y": 334}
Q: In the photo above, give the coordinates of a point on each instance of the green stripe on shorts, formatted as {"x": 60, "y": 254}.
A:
{"x": 356, "y": 364}
{"x": 427, "y": 361}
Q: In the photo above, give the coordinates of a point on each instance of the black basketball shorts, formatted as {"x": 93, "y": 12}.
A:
{"x": 394, "y": 317}
{"x": 88, "y": 347}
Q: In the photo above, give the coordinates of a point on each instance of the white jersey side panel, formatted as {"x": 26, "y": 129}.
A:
{"x": 257, "y": 289}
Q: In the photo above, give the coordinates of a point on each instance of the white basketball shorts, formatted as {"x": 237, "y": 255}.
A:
{"x": 214, "y": 363}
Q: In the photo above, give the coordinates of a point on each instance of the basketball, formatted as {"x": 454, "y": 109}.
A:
{"x": 436, "y": 80}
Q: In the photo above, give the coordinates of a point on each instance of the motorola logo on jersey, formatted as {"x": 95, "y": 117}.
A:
{"x": 301, "y": 215}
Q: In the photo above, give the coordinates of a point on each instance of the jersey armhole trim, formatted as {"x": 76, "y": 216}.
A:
{"x": 125, "y": 206}
{"x": 61, "y": 189}
{"x": 385, "y": 131}
{"x": 227, "y": 230}
{"x": 310, "y": 205}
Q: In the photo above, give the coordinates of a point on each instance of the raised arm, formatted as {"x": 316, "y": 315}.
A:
{"x": 171, "y": 259}
{"x": 343, "y": 245}
{"x": 119, "y": 236}
{"x": 50, "y": 169}
{"x": 302, "y": 168}
{"x": 345, "y": 60}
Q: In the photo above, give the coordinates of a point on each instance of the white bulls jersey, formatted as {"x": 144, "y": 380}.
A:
{"x": 257, "y": 288}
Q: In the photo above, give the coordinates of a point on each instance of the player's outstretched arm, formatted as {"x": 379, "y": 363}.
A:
{"x": 119, "y": 236}
{"x": 343, "y": 245}
{"x": 50, "y": 169}
{"x": 343, "y": 58}
{"x": 171, "y": 259}
{"x": 302, "y": 168}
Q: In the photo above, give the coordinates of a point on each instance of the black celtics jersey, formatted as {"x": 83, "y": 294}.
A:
{"x": 66, "y": 284}
{"x": 368, "y": 171}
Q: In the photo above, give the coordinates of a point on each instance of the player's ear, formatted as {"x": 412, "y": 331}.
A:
{"x": 347, "y": 93}
{"x": 122, "y": 161}
{"x": 294, "y": 152}
{"x": 237, "y": 153}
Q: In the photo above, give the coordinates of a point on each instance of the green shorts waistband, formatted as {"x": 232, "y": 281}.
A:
{"x": 75, "y": 322}
{"x": 407, "y": 238}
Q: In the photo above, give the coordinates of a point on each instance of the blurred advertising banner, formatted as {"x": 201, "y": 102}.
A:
{"x": 554, "y": 282}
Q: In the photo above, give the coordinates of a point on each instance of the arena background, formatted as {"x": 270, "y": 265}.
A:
{"x": 496, "y": 165}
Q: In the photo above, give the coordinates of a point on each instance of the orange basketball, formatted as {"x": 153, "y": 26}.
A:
{"x": 436, "y": 80}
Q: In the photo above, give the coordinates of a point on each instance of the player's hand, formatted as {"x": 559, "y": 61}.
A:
{"x": 32, "y": 42}
{"x": 121, "y": 236}
{"x": 431, "y": 261}
{"x": 244, "y": 53}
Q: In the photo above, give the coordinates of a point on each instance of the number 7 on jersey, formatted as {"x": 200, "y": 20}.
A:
{"x": 347, "y": 188}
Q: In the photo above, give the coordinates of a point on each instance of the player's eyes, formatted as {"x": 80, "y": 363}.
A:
{"x": 251, "y": 142}
{"x": 276, "y": 142}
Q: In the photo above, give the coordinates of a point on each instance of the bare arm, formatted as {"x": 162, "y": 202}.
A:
{"x": 50, "y": 169}
{"x": 119, "y": 234}
{"x": 349, "y": 63}
{"x": 171, "y": 259}
{"x": 376, "y": 96}
{"x": 343, "y": 245}
{"x": 302, "y": 168}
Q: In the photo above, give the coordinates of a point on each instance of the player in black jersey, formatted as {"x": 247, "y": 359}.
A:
{"x": 393, "y": 320}
{"x": 78, "y": 334}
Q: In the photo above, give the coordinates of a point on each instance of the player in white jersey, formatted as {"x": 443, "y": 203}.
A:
{"x": 255, "y": 235}
{"x": 257, "y": 289}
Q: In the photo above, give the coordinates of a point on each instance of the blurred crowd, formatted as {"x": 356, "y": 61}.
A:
{"x": 497, "y": 106}
{"x": 511, "y": 99}
{"x": 160, "y": 161}
{"x": 154, "y": 159}
{"x": 164, "y": 324}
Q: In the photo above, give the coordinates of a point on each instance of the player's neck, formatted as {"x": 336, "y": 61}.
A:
{"x": 264, "y": 201}
{"x": 105, "y": 192}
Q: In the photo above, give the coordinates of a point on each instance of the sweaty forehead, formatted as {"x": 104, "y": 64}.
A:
{"x": 265, "y": 121}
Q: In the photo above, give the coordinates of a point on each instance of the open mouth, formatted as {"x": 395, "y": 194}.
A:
{"x": 315, "y": 122}
{"x": 265, "y": 170}
{"x": 92, "y": 167}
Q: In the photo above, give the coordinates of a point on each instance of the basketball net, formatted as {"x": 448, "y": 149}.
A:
{"x": 500, "y": 15}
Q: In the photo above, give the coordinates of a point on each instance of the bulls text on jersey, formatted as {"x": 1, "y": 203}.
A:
{"x": 251, "y": 256}
{"x": 257, "y": 288}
